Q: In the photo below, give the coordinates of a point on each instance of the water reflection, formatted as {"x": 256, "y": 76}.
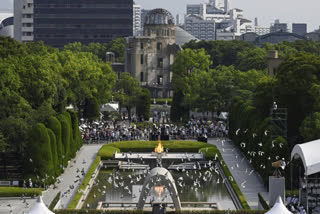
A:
{"x": 192, "y": 185}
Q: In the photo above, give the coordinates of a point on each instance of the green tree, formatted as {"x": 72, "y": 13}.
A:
{"x": 117, "y": 46}
{"x": 189, "y": 65}
{"x": 65, "y": 138}
{"x": 252, "y": 58}
{"x": 296, "y": 76}
{"x": 128, "y": 90}
{"x": 143, "y": 104}
{"x": 310, "y": 127}
{"x": 91, "y": 109}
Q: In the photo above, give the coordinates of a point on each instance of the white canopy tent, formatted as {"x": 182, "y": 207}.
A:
{"x": 278, "y": 208}
{"x": 40, "y": 208}
{"x": 110, "y": 107}
{"x": 309, "y": 154}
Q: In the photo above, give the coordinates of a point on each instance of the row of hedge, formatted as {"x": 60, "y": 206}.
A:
{"x": 210, "y": 151}
{"x": 84, "y": 183}
{"x": 19, "y": 192}
{"x": 92, "y": 211}
{"x": 51, "y": 146}
{"x": 106, "y": 151}
{"x": 162, "y": 101}
{"x": 263, "y": 202}
{"x": 54, "y": 201}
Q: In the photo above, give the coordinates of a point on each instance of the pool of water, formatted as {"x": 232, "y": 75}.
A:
{"x": 192, "y": 185}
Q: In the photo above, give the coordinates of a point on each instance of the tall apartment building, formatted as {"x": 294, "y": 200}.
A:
{"x": 136, "y": 19}
{"x": 300, "y": 29}
{"x": 23, "y": 20}
{"x": 215, "y": 20}
{"x": 59, "y": 22}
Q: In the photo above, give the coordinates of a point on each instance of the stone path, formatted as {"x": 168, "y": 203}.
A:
{"x": 251, "y": 183}
{"x": 84, "y": 159}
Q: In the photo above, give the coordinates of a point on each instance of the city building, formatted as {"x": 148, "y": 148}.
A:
{"x": 300, "y": 29}
{"x": 149, "y": 57}
{"x": 314, "y": 36}
{"x": 136, "y": 19}
{"x": 278, "y": 27}
{"x": 144, "y": 13}
{"x": 60, "y": 22}
{"x": 24, "y": 20}
{"x": 276, "y": 37}
{"x": 6, "y": 23}
{"x": 216, "y": 21}
{"x": 261, "y": 30}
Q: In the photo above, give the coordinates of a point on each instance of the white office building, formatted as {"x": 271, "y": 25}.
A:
{"x": 222, "y": 22}
{"x": 261, "y": 30}
{"x": 136, "y": 19}
{"x": 23, "y": 20}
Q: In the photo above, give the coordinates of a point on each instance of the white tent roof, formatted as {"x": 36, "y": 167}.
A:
{"x": 278, "y": 208}
{"x": 110, "y": 107}
{"x": 40, "y": 208}
{"x": 309, "y": 154}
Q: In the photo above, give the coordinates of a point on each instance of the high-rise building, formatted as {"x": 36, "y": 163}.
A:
{"x": 300, "y": 29}
{"x": 23, "y": 20}
{"x": 278, "y": 27}
{"x": 60, "y": 22}
{"x": 136, "y": 19}
{"x": 177, "y": 19}
{"x": 144, "y": 13}
{"x": 215, "y": 20}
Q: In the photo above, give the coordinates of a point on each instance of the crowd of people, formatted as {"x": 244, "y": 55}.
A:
{"x": 294, "y": 206}
{"x": 107, "y": 131}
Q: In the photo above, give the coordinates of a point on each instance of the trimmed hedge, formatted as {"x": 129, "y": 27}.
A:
{"x": 263, "y": 202}
{"x": 54, "y": 201}
{"x": 55, "y": 125}
{"x": 19, "y": 191}
{"x": 106, "y": 152}
{"x": 211, "y": 153}
{"x": 53, "y": 144}
{"x": 38, "y": 153}
{"x": 84, "y": 183}
{"x": 65, "y": 136}
{"x": 148, "y": 146}
{"x": 162, "y": 101}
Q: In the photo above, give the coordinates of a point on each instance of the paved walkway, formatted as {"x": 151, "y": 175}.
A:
{"x": 84, "y": 159}
{"x": 249, "y": 182}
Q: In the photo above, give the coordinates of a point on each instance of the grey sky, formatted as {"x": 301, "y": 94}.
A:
{"x": 299, "y": 11}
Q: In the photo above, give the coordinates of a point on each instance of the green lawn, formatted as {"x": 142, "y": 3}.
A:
{"x": 19, "y": 191}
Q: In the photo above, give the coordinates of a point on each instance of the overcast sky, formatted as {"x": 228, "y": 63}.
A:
{"x": 298, "y": 11}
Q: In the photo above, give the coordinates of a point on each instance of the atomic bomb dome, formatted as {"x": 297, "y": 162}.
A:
{"x": 159, "y": 16}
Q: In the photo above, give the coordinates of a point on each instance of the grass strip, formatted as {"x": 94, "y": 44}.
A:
{"x": 54, "y": 201}
{"x": 19, "y": 192}
{"x": 211, "y": 153}
{"x": 84, "y": 183}
{"x": 263, "y": 202}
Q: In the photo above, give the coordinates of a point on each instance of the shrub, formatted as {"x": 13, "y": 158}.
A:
{"x": 107, "y": 152}
{"x": 148, "y": 146}
{"x": 54, "y": 201}
{"x": 38, "y": 153}
{"x": 54, "y": 151}
{"x": 19, "y": 192}
{"x": 55, "y": 126}
{"x": 84, "y": 183}
{"x": 75, "y": 130}
{"x": 65, "y": 136}
{"x": 263, "y": 203}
